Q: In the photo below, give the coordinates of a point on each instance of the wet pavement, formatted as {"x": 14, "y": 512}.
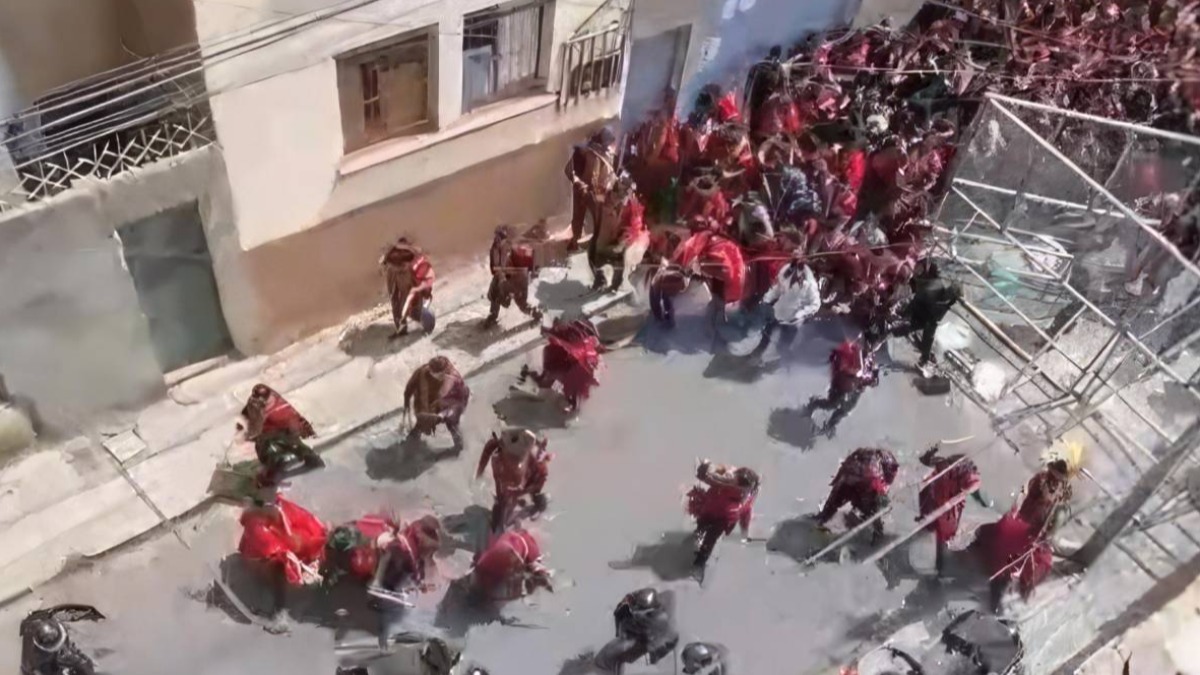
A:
{"x": 616, "y": 522}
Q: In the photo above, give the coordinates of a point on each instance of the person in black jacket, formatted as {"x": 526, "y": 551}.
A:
{"x": 932, "y": 298}
{"x": 46, "y": 647}
{"x": 645, "y": 627}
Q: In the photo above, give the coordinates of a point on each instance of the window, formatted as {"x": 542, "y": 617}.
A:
{"x": 502, "y": 53}
{"x": 384, "y": 90}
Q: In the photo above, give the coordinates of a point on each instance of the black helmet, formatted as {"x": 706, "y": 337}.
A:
{"x": 48, "y": 635}
{"x": 697, "y": 655}
{"x": 643, "y": 601}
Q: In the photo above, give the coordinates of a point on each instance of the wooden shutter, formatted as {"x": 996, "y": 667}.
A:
{"x": 349, "y": 84}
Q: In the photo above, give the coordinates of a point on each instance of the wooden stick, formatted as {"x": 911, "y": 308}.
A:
{"x": 845, "y": 537}
{"x": 958, "y": 499}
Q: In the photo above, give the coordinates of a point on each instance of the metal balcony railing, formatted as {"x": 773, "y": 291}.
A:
{"x": 100, "y": 128}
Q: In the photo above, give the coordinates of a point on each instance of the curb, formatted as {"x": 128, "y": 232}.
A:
{"x": 519, "y": 346}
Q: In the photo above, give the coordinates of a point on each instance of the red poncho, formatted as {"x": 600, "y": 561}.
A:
{"x": 727, "y": 109}
{"x": 633, "y": 221}
{"x": 1013, "y": 548}
{"x": 853, "y": 168}
{"x": 515, "y": 476}
{"x": 500, "y": 568}
{"x": 719, "y": 258}
{"x": 850, "y": 367}
{"x": 728, "y": 505}
{"x": 291, "y": 538}
{"x": 963, "y": 477}
{"x": 864, "y": 475}
{"x": 276, "y": 415}
{"x": 572, "y": 359}
{"x": 710, "y": 206}
{"x": 778, "y": 115}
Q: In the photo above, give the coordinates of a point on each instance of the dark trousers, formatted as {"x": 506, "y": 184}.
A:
{"x": 662, "y": 306}
{"x": 840, "y": 402}
{"x": 842, "y": 495}
{"x": 598, "y": 258}
{"x": 500, "y": 297}
{"x": 787, "y": 335}
{"x": 582, "y": 204}
{"x": 925, "y": 341}
{"x": 707, "y": 535}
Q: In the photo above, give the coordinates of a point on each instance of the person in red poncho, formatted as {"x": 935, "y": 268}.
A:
{"x": 852, "y": 369}
{"x": 863, "y": 481}
{"x": 288, "y": 542}
{"x": 620, "y": 236}
{"x": 655, "y": 153}
{"x": 724, "y": 499}
{"x": 513, "y": 268}
{"x": 571, "y": 359}
{"x": 949, "y": 477}
{"x": 1017, "y": 547}
{"x": 520, "y": 467}
{"x": 704, "y": 204}
{"x": 278, "y": 434}
{"x": 510, "y": 568}
{"x": 409, "y": 277}
{"x": 717, "y": 260}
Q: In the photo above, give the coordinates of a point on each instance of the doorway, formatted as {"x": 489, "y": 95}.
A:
{"x": 656, "y": 62}
{"x": 167, "y": 256}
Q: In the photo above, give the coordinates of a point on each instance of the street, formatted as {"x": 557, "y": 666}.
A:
{"x": 616, "y": 523}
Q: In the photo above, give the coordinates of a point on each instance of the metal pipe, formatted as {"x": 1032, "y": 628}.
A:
{"x": 1079, "y": 296}
{"x": 1021, "y": 377}
{"x": 924, "y": 523}
{"x": 1101, "y": 190}
{"x": 1149, "y": 131}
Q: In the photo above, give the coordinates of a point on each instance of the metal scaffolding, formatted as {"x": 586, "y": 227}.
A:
{"x": 1059, "y": 226}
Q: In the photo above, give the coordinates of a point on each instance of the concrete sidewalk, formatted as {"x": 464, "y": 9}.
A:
{"x": 96, "y": 492}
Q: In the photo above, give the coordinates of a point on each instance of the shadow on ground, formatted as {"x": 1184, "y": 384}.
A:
{"x": 375, "y": 340}
{"x": 460, "y": 610}
{"x": 470, "y": 529}
{"x": 472, "y": 337}
{"x": 794, "y": 426}
{"x": 670, "y": 559}
{"x": 405, "y": 460}
{"x": 531, "y": 411}
{"x": 312, "y": 605}
{"x": 562, "y": 295}
{"x": 581, "y": 664}
{"x": 740, "y": 369}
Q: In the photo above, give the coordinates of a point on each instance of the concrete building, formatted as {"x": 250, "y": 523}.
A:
{"x": 196, "y": 178}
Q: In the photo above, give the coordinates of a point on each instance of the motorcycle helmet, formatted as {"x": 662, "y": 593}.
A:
{"x": 643, "y": 601}
{"x": 697, "y": 656}
{"x": 48, "y": 635}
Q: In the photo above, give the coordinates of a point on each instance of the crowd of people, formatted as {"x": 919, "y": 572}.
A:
{"x": 806, "y": 195}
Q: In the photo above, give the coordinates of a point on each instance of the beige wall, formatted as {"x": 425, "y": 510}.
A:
{"x": 72, "y": 334}
{"x": 278, "y": 119}
{"x": 149, "y": 27}
{"x": 48, "y": 43}
{"x": 304, "y": 282}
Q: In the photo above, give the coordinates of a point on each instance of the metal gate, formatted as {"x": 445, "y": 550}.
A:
{"x": 167, "y": 256}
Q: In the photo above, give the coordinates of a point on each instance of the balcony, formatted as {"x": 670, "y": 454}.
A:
{"x": 105, "y": 125}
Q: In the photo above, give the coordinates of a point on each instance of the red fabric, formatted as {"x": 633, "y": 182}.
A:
{"x": 265, "y": 536}
{"x": 1012, "y": 548}
{"x": 766, "y": 260}
{"x": 514, "y": 477}
{"x": 719, "y": 258}
{"x": 1043, "y": 495}
{"x": 964, "y": 476}
{"x": 505, "y": 559}
{"x": 854, "y": 168}
{"x": 850, "y": 367}
{"x": 633, "y": 220}
{"x": 660, "y": 139}
{"x": 712, "y": 207}
{"x": 727, "y": 505}
{"x": 572, "y": 363}
{"x": 522, "y": 256}
{"x": 727, "y": 109}
{"x": 279, "y": 415}
{"x": 363, "y": 561}
{"x": 778, "y": 115}
{"x": 865, "y": 475}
